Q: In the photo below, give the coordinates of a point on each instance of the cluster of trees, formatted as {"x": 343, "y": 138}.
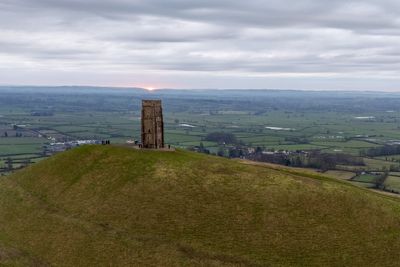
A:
{"x": 222, "y": 138}
{"x": 297, "y": 140}
{"x": 202, "y": 149}
{"x": 237, "y": 152}
{"x": 315, "y": 159}
{"x": 277, "y": 158}
{"x": 380, "y": 179}
{"x": 42, "y": 113}
{"x": 327, "y": 161}
{"x": 9, "y": 164}
{"x": 199, "y": 148}
{"x": 17, "y": 134}
{"x": 385, "y": 150}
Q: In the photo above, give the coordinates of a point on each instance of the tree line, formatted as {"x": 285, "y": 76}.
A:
{"x": 385, "y": 150}
{"x": 312, "y": 159}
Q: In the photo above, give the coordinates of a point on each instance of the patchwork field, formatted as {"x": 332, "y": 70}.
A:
{"x": 271, "y": 120}
{"x": 393, "y": 183}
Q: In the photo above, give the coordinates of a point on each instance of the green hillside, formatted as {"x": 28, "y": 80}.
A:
{"x": 115, "y": 206}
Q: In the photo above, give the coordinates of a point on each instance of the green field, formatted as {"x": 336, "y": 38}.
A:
{"x": 370, "y": 165}
{"x": 297, "y": 121}
{"x": 393, "y": 183}
{"x": 365, "y": 178}
{"x": 125, "y": 207}
{"x": 377, "y": 165}
{"x": 389, "y": 158}
{"x": 13, "y": 149}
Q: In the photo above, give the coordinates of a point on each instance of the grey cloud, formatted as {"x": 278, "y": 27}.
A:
{"x": 256, "y": 37}
{"x": 258, "y": 13}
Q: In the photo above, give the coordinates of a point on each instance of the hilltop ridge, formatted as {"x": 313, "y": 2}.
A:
{"x": 106, "y": 205}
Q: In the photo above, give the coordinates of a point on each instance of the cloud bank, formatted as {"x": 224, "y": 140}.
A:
{"x": 305, "y": 44}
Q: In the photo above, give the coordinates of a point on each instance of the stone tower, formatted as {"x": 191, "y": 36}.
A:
{"x": 152, "y": 124}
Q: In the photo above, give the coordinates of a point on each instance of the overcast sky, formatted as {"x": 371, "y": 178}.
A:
{"x": 283, "y": 44}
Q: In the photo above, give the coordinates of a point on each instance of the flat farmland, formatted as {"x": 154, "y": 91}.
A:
{"x": 272, "y": 120}
{"x": 393, "y": 183}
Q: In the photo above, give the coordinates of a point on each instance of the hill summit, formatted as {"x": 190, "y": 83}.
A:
{"x": 116, "y": 206}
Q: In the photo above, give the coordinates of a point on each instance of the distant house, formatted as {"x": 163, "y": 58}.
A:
{"x": 56, "y": 147}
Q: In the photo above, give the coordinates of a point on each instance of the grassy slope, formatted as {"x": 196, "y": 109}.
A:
{"x": 102, "y": 206}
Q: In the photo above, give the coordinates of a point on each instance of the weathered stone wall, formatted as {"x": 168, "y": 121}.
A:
{"x": 152, "y": 124}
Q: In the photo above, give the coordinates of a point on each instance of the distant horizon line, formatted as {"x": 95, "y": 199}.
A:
{"x": 199, "y": 89}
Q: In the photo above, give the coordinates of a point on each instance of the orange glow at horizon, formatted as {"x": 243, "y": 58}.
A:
{"x": 149, "y": 86}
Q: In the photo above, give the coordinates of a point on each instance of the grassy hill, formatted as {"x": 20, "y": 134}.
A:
{"x": 115, "y": 206}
